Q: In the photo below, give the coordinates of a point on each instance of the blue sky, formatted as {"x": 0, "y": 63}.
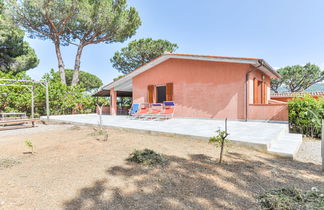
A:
{"x": 283, "y": 32}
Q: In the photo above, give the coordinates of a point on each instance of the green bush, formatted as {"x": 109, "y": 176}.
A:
{"x": 305, "y": 115}
{"x": 146, "y": 157}
{"x": 291, "y": 199}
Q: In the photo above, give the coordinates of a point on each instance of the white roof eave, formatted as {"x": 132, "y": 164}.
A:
{"x": 266, "y": 68}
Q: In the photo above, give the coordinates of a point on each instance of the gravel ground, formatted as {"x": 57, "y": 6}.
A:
{"x": 72, "y": 169}
{"x": 26, "y": 131}
{"x": 310, "y": 151}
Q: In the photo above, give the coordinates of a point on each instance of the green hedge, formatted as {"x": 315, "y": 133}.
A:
{"x": 305, "y": 115}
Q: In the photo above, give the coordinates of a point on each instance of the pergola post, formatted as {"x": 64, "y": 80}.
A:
{"x": 113, "y": 102}
{"x": 32, "y": 102}
{"x": 47, "y": 101}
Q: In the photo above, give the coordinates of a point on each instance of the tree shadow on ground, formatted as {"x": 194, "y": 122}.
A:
{"x": 195, "y": 183}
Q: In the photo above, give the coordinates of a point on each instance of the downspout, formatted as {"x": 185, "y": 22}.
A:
{"x": 246, "y": 87}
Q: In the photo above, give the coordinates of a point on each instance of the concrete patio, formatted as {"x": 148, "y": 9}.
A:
{"x": 270, "y": 137}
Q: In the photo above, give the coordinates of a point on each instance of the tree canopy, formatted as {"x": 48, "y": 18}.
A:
{"x": 45, "y": 19}
{"x": 87, "y": 80}
{"x": 76, "y": 22}
{"x": 105, "y": 21}
{"x": 140, "y": 52}
{"x": 297, "y": 78}
{"x": 15, "y": 54}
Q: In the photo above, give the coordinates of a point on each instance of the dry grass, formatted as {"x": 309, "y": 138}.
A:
{"x": 72, "y": 170}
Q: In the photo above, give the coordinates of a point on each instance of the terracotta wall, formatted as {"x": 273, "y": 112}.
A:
{"x": 105, "y": 110}
{"x": 201, "y": 89}
{"x": 275, "y": 112}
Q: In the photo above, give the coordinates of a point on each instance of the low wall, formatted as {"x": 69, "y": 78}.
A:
{"x": 288, "y": 98}
{"x": 274, "y": 112}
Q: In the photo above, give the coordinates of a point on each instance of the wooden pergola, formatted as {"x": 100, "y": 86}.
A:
{"x": 29, "y": 84}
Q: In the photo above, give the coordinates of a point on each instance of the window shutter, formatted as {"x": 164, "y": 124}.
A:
{"x": 150, "y": 91}
{"x": 255, "y": 91}
{"x": 264, "y": 92}
{"x": 169, "y": 91}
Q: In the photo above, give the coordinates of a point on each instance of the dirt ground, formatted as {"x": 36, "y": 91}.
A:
{"x": 73, "y": 170}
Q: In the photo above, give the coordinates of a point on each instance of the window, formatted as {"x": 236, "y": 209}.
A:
{"x": 160, "y": 94}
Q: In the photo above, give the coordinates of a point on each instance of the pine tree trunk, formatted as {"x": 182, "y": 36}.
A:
{"x": 60, "y": 60}
{"x": 76, "y": 72}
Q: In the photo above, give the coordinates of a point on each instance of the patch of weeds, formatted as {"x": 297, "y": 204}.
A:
{"x": 8, "y": 162}
{"x": 291, "y": 198}
{"x": 75, "y": 127}
{"x": 29, "y": 144}
{"x": 100, "y": 134}
{"x": 146, "y": 157}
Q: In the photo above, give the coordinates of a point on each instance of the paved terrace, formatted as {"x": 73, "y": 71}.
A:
{"x": 271, "y": 137}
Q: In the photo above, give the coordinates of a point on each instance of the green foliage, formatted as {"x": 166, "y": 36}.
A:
{"x": 105, "y": 21}
{"x": 119, "y": 77}
{"x": 86, "y": 80}
{"x": 140, "y": 52}
{"x": 297, "y": 78}
{"x": 305, "y": 115}
{"x": 15, "y": 54}
{"x": 290, "y": 199}
{"x": 29, "y": 144}
{"x": 220, "y": 140}
{"x": 15, "y": 99}
{"x": 63, "y": 99}
{"x": 45, "y": 19}
{"x": 146, "y": 157}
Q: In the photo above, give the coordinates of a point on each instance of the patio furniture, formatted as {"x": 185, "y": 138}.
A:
{"x": 168, "y": 111}
{"x": 154, "y": 111}
{"x": 133, "y": 109}
{"x": 144, "y": 109}
{"x": 15, "y": 120}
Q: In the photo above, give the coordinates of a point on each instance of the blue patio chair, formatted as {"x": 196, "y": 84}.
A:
{"x": 168, "y": 103}
{"x": 133, "y": 109}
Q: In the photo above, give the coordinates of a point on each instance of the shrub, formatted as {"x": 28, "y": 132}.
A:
{"x": 98, "y": 133}
{"x": 146, "y": 157}
{"x": 305, "y": 115}
{"x": 291, "y": 198}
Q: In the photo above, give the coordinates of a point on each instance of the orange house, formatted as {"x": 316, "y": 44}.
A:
{"x": 202, "y": 87}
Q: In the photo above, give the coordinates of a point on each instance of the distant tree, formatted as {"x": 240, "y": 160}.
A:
{"x": 276, "y": 84}
{"x": 87, "y": 80}
{"x": 140, "y": 52}
{"x": 105, "y": 21}
{"x": 117, "y": 78}
{"x": 298, "y": 78}
{"x": 15, "y": 54}
{"x": 45, "y": 19}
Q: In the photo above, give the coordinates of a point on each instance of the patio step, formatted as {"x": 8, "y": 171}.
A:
{"x": 287, "y": 145}
{"x": 277, "y": 137}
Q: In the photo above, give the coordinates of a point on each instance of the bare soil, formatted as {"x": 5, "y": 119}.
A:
{"x": 72, "y": 169}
